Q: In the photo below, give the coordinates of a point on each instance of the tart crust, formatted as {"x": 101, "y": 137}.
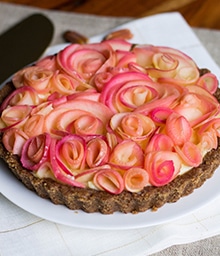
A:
{"x": 90, "y": 200}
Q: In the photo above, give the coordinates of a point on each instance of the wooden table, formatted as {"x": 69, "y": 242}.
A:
{"x": 198, "y": 13}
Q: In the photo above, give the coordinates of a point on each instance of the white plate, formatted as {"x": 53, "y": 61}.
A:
{"x": 17, "y": 193}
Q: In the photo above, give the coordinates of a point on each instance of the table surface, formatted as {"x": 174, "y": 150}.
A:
{"x": 198, "y": 13}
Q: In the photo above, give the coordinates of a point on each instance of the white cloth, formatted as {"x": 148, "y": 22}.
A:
{"x": 22, "y": 233}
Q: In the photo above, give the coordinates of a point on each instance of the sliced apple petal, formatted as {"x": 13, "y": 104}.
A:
{"x": 109, "y": 180}
{"x": 178, "y": 129}
{"x": 136, "y": 179}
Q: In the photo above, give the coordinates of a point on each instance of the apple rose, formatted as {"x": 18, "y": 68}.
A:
{"x": 134, "y": 126}
{"x": 24, "y": 95}
{"x": 126, "y": 154}
{"x": 190, "y": 154}
{"x": 109, "y": 180}
{"x": 162, "y": 166}
{"x": 178, "y": 129}
{"x": 208, "y": 134}
{"x": 130, "y": 91}
{"x": 36, "y": 151}
{"x": 34, "y": 125}
{"x": 197, "y": 106}
{"x": 100, "y": 79}
{"x": 84, "y": 61}
{"x": 63, "y": 84}
{"x": 209, "y": 82}
{"x": 35, "y": 77}
{"x": 72, "y": 149}
{"x": 78, "y": 116}
{"x": 136, "y": 179}
{"x": 97, "y": 152}
{"x": 207, "y": 141}
{"x": 14, "y": 116}
{"x": 167, "y": 65}
{"x": 14, "y": 139}
{"x": 125, "y": 91}
{"x": 70, "y": 153}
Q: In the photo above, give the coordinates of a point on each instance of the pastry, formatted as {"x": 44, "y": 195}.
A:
{"x": 111, "y": 126}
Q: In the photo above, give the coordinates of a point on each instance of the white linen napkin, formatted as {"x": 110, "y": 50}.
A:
{"x": 27, "y": 234}
{"x": 23, "y": 232}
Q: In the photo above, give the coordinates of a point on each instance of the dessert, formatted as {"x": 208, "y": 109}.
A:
{"x": 111, "y": 126}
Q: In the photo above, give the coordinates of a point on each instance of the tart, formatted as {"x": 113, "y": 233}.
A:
{"x": 111, "y": 126}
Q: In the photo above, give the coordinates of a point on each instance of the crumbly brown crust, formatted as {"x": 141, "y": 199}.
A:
{"x": 90, "y": 200}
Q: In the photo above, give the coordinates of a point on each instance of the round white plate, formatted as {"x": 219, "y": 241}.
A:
{"x": 17, "y": 193}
